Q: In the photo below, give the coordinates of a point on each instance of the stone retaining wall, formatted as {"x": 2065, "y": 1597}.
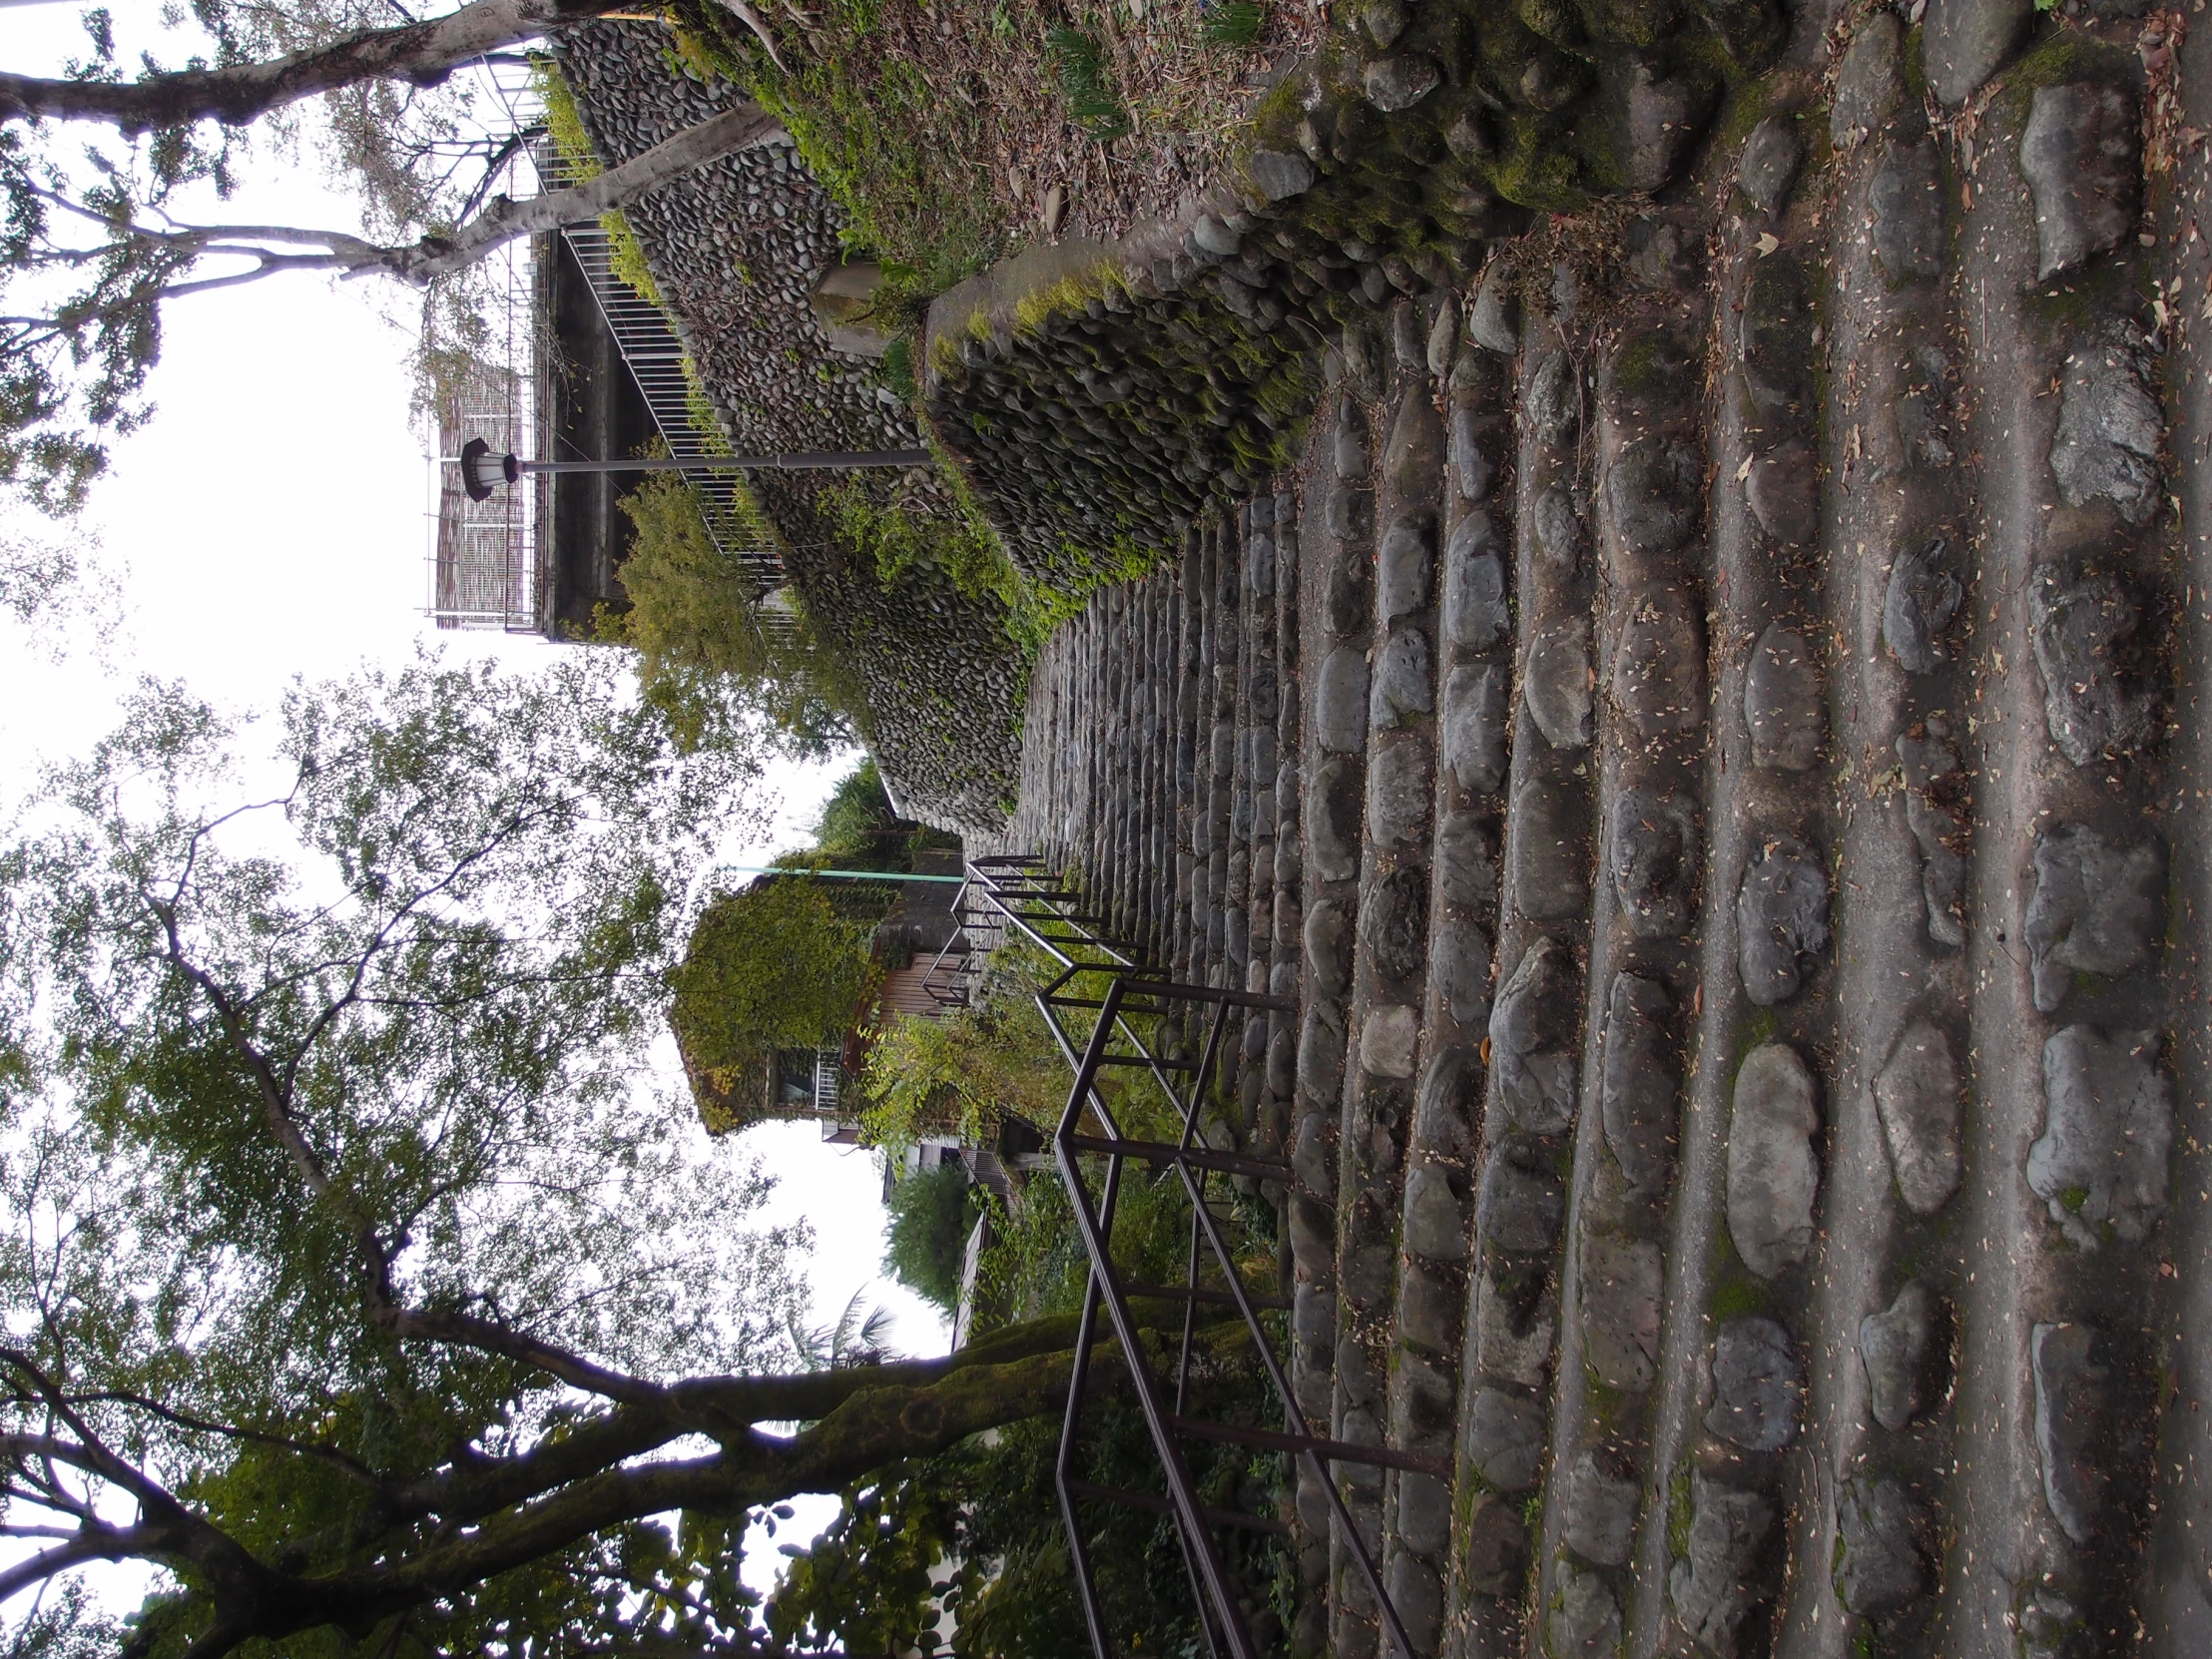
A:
{"x": 738, "y": 247}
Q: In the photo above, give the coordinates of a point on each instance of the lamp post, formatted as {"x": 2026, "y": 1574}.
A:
{"x": 482, "y": 471}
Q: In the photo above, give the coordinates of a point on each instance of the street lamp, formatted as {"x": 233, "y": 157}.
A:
{"x": 483, "y": 471}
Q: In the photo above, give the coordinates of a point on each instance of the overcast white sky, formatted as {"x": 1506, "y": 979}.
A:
{"x": 270, "y": 522}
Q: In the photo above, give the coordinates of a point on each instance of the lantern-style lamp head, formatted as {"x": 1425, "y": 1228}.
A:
{"x": 482, "y": 471}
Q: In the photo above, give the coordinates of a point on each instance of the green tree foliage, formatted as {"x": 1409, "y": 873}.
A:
{"x": 964, "y": 1072}
{"x": 696, "y": 622}
{"x": 925, "y": 1244}
{"x": 771, "y": 966}
{"x": 350, "y": 1280}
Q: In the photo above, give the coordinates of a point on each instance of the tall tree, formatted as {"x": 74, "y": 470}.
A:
{"x": 345, "y": 1275}
{"x": 93, "y": 242}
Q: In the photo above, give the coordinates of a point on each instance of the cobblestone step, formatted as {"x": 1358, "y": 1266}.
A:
{"x": 1703, "y": 730}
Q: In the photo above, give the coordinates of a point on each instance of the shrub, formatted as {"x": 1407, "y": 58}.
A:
{"x": 1231, "y": 23}
{"x": 925, "y": 1245}
{"x": 694, "y": 618}
{"x": 772, "y": 966}
{"x": 1085, "y": 86}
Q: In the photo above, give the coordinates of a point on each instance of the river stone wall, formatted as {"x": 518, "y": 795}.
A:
{"x": 737, "y": 248}
{"x": 1112, "y": 403}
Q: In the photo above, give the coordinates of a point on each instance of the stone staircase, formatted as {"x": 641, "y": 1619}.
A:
{"x": 1699, "y": 732}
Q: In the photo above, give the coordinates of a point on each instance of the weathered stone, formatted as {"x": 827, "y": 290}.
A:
{"x": 1349, "y": 442}
{"x": 1775, "y": 337}
{"x": 2085, "y": 629}
{"x": 1436, "y": 1213}
{"x": 1513, "y": 1331}
{"x": 1332, "y": 820}
{"x": 1280, "y": 173}
{"x": 1769, "y": 164}
{"x": 1384, "y": 20}
{"x": 1470, "y": 457}
{"x": 2072, "y": 1401}
{"x": 1905, "y": 198}
{"x": 1965, "y": 42}
{"x": 2051, "y": 1627}
{"x": 1532, "y": 1052}
{"x": 1654, "y": 492}
{"x": 1400, "y": 787}
{"x": 1350, "y": 513}
{"x": 1520, "y": 1202}
{"x": 1663, "y": 254}
{"x": 1312, "y": 1152}
{"x": 1313, "y": 1238}
{"x": 1621, "y": 1281}
{"x": 1553, "y": 404}
{"x": 1402, "y": 566}
{"x": 1405, "y": 680}
{"x": 1365, "y": 370}
{"x": 1341, "y": 702}
{"x": 1783, "y": 491}
{"x": 2101, "y": 1161}
{"x": 1459, "y": 968}
{"x": 1429, "y": 1300}
{"x": 1560, "y": 539}
{"x": 1559, "y": 683}
{"x": 1216, "y": 238}
{"x": 1443, "y": 340}
{"x": 1919, "y": 604}
{"x": 1321, "y": 1051}
{"x": 1505, "y": 1440}
{"x": 1598, "y": 1519}
{"x": 1880, "y": 1566}
{"x": 2080, "y": 154}
{"x": 1467, "y": 860}
{"x": 2097, "y": 908}
{"x": 1896, "y": 1346}
{"x": 1493, "y": 321}
{"x": 1328, "y": 940}
{"x": 1312, "y": 1315}
{"x": 1758, "y": 1385}
{"x": 1641, "y": 1078}
{"x": 2109, "y": 425}
{"x": 1773, "y": 1178}
{"x": 1655, "y": 861}
{"x": 1450, "y": 1097}
{"x": 1585, "y": 1617}
{"x": 1868, "y": 87}
{"x": 1475, "y": 723}
{"x": 1394, "y": 923}
{"x": 1659, "y": 663}
{"x": 1405, "y": 346}
{"x": 1344, "y": 604}
{"x": 1415, "y": 451}
{"x": 1416, "y": 1591}
{"x": 1399, "y": 83}
{"x": 1660, "y": 120}
{"x": 1475, "y": 615}
{"x": 1782, "y": 701}
{"x": 1388, "y": 1039}
{"x": 1549, "y": 863}
{"x": 1781, "y": 920}
{"x": 1494, "y": 1555}
{"x": 1714, "y": 1586}
{"x": 1917, "y": 1093}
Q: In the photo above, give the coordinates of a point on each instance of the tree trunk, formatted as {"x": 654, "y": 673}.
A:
{"x": 238, "y": 94}
{"x": 505, "y": 219}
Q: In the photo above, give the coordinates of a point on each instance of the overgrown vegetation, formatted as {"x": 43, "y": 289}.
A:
{"x": 925, "y": 1247}
{"x": 772, "y": 966}
{"x": 703, "y": 631}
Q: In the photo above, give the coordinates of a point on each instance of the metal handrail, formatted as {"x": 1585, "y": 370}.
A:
{"x": 1018, "y": 894}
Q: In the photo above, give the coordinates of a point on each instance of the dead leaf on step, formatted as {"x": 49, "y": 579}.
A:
{"x": 1768, "y": 243}
{"x": 1055, "y": 208}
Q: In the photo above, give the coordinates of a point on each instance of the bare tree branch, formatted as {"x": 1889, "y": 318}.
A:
{"x": 236, "y": 95}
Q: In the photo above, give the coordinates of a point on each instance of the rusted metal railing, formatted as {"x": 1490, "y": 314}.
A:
{"x": 1170, "y": 1036}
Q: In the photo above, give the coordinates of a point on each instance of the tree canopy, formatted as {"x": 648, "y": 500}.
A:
{"x": 347, "y": 1277}
{"x": 96, "y": 164}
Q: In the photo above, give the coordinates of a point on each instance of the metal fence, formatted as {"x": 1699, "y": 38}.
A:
{"x": 1106, "y": 985}
{"x": 486, "y": 557}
